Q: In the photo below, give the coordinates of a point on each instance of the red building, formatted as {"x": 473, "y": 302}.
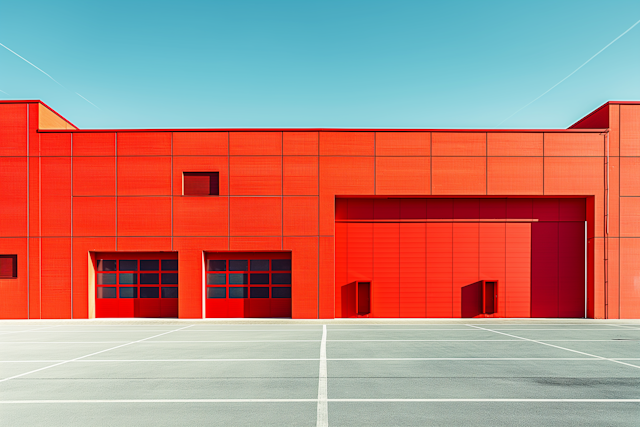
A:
{"x": 319, "y": 223}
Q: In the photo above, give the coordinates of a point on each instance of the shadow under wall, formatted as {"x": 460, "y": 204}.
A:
{"x": 471, "y": 302}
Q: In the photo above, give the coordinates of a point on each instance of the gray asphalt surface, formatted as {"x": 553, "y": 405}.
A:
{"x": 462, "y": 372}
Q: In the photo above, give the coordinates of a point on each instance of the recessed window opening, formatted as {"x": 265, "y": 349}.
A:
{"x": 200, "y": 183}
{"x": 8, "y": 266}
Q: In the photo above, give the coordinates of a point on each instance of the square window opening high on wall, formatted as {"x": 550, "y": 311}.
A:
{"x": 8, "y": 266}
{"x": 200, "y": 183}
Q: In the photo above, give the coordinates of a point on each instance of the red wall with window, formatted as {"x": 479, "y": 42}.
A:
{"x": 69, "y": 193}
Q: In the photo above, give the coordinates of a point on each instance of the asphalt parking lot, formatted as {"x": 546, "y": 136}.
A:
{"x": 449, "y": 372}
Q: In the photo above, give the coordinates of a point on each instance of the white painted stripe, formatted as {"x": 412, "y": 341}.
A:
{"x": 458, "y": 329}
{"x": 471, "y": 400}
{"x": 561, "y": 348}
{"x": 629, "y": 327}
{"x": 89, "y": 355}
{"x": 278, "y": 341}
{"x": 322, "y": 419}
{"x": 60, "y": 342}
{"x": 158, "y": 360}
{"x": 494, "y": 400}
{"x": 161, "y": 341}
{"x": 30, "y": 330}
{"x": 124, "y": 329}
{"x": 158, "y": 401}
{"x": 336, "y": 359}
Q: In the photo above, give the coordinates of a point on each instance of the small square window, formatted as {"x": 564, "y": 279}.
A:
{"x": 260, "y": 279}
{"x": 216, "y": 279}
{"x": 216, "y": 265}
{"x": 8, "y": 266}
{"x": 281, "y": 278}
{"x": 150, "y": 278}
{"x": 169, "y": 292}
{"x": 259, "y": 265}
{"x": 238, "y": 292}
{"x": 149, "y": 265}
{"x": 169, "y": 265}
{"x": 238, "y": 265}
{"x": 281, "y": 265}
{"x": 201, "y": 183}
{"x": 149, "y": 292}
{"x": 169, "y": 278}
{"x": 280, "y": 292}
{"x": 107, "y": 265}
{"x": 128, "y": 265}
{"x": 238, "y": 278}
{"x": 259, "y": 292}
{"x": 216, "y": 292}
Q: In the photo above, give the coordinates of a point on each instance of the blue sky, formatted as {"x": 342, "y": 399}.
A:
{"x": 344, "y": 64}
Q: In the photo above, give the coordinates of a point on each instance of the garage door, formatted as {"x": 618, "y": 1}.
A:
{"x": 433, "y": 257}
{"x": 248, "y": 284}
{"x": 137, "y": 285}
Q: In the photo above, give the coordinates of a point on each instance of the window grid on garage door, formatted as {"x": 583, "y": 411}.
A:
{"x": 136, "y": 285}
{"x": 248, "y": 278}
{"x": 137, "y": 278}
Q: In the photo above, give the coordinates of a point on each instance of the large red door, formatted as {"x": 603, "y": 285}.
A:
{"x": 137, "y": 285}
{"x": 248, "y": 284}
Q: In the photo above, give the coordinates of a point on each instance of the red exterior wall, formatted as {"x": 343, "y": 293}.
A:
{"x": 68, "y": 193}
{"x": 425, "y": 257}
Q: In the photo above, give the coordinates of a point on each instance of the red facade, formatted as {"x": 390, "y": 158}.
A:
{"x": 375, "y": 223}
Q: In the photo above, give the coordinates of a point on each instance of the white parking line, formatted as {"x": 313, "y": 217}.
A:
{"x": 459, "y": 329}
{"x": 119, "y": 331}
{"x": 285, "y": 341}
{"x": 558, "y": 347}
{"x": 88, "y": 355}
{"x": 486, "y": 400}
{"x": 629, "y": 327}
{"x": 29, "y": 330}
{"x": 158, "y": 341}
{"x": 322, "y": 418}
{"x": 334, "y": 359}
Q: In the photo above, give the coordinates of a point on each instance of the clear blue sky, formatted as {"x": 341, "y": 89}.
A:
{"x": 396, "y": 64}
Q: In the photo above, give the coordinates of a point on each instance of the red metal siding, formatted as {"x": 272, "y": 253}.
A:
{"x": 413, "y": 274}
{"x": 89, "y": 191}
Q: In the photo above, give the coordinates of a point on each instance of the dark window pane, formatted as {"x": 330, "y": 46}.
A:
{"x": 259, "y": 265}
{"x": 169, "y": 292}
{"x": 169, "y": 265}
{"x": 216, "y": 279}
{"x": 128, "y": 279}
{"x": 217, "y": 265}
{"x": 281, "y": 264}
{"x": 106, "y": 292}
{"x": 149, "y": 292}
{"x": 238, "y": 265}
{"x": 149, "y": 265}
{"x": 281, "y": 292}
{"x": 201, "y": 183}
{"x": 149, "y": 278}
{"x": 8, "y": 266}
{"x": 259, "y": 278}
{"x": 107, "y": 265}
{"x": 128, "y": 292}
{"x": 216, "y": 292}
{"x": 238, "y": 292}
{"x": 128, "y": 265}
{"x": 259, "y": 292}
{"x": 280, "y": 278}
{"x": 238, "y": 279}
{"x": 169, "y": 278}
{"x": 106, "y": 279}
